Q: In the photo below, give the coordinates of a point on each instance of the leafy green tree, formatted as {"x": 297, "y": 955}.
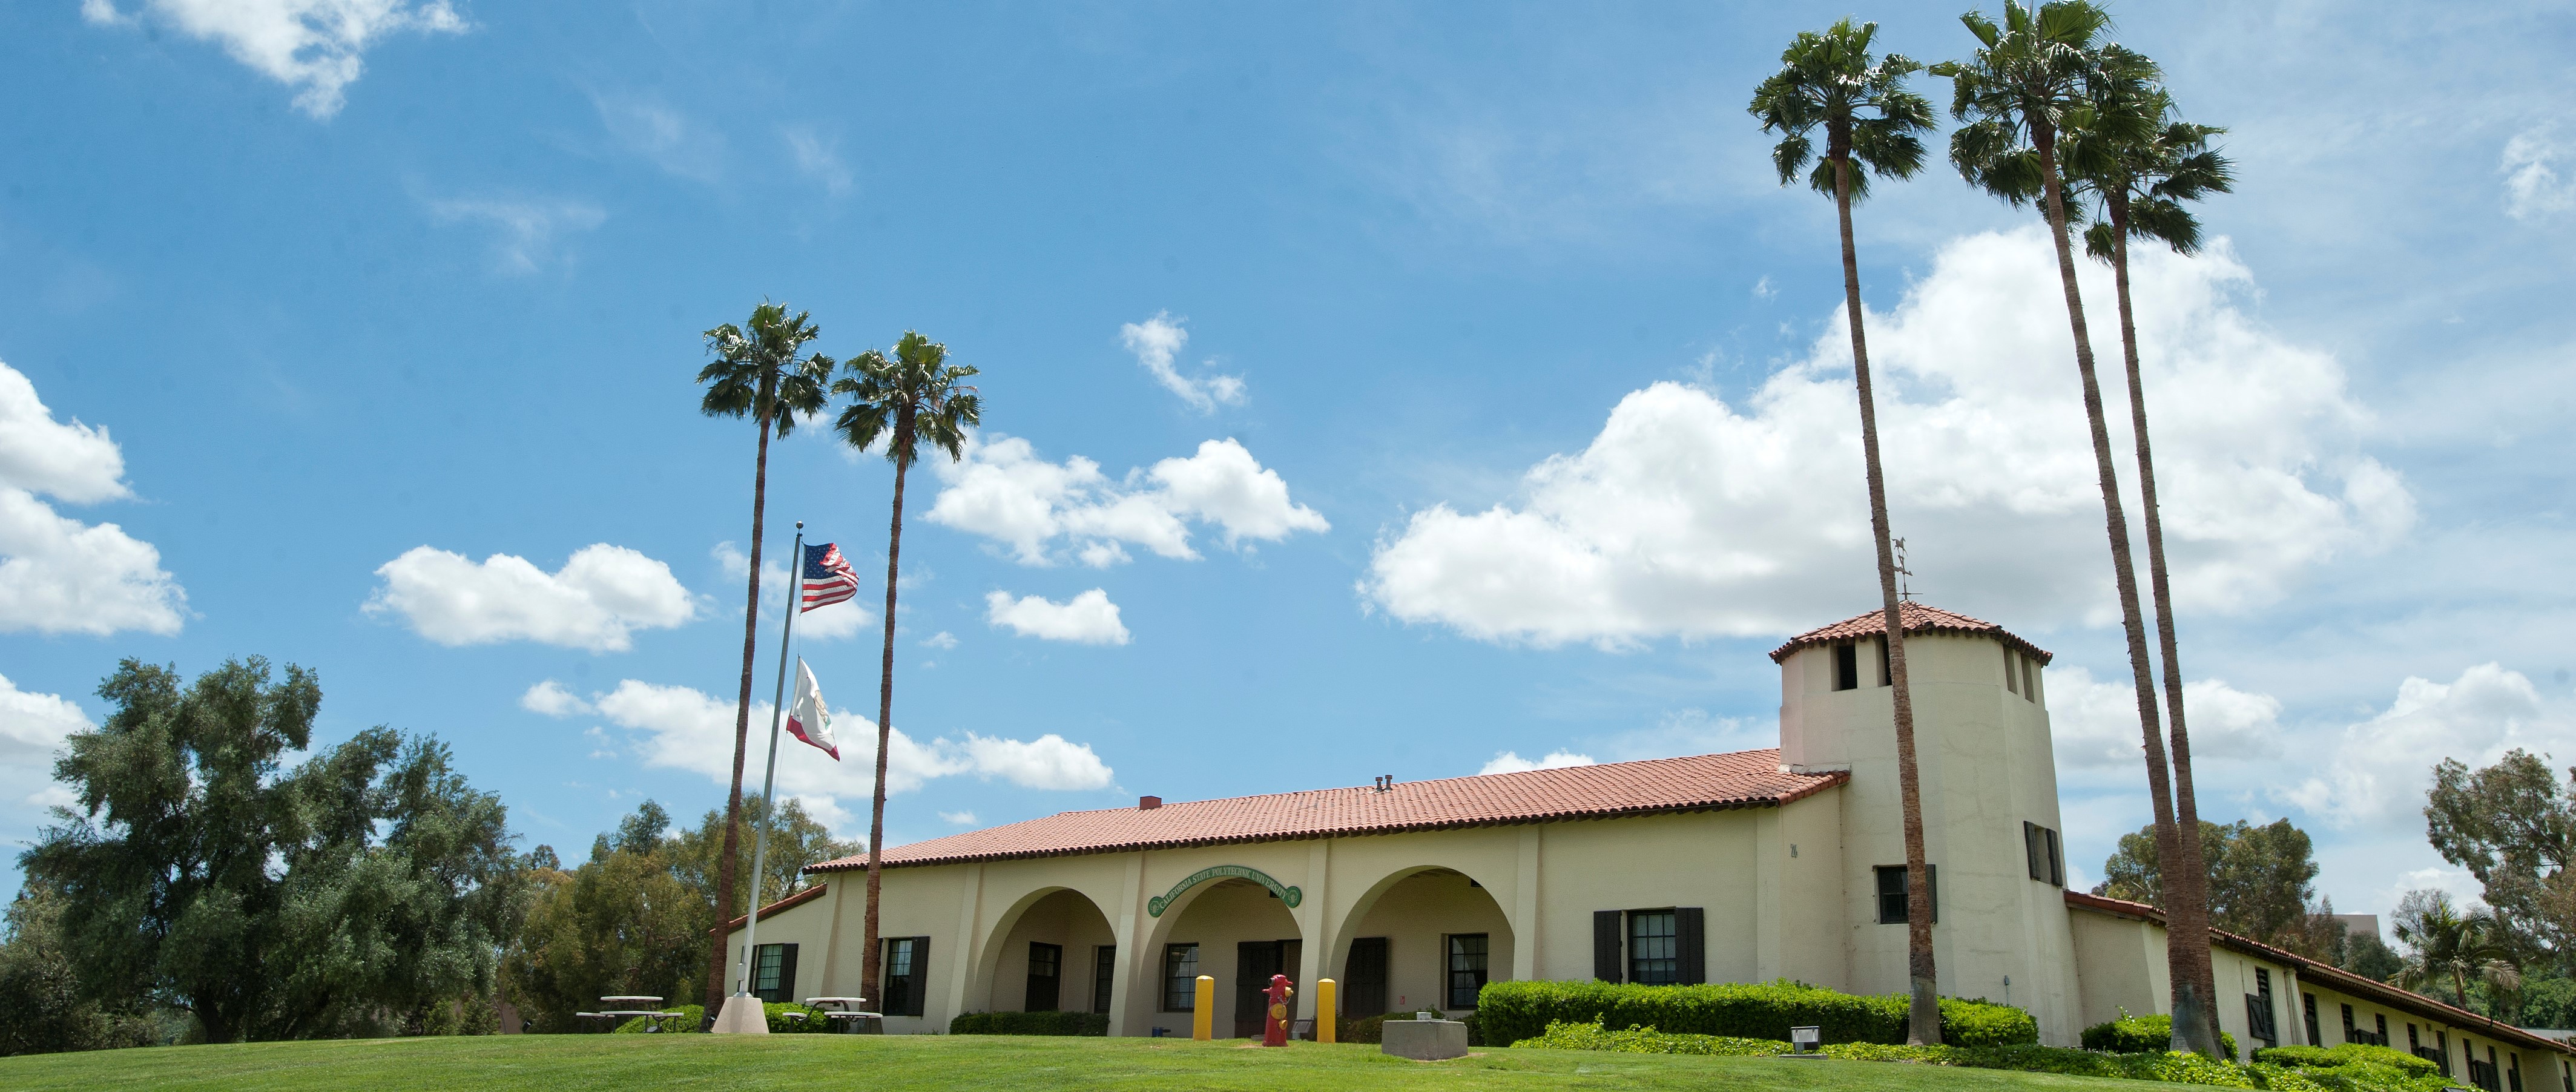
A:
{"x": 2024, "y": 88}
{"x": 1831, "y": 81}
{"x": 2261, "y": 880}
{"x": 364, "y": 891}
{"x": 912, "y": 396}
{"x": 760, "y": 370}
{"x": 2514, "y": 828}
{"x": 42, "y": 1008}
{"x": 2446, "y": 944}
{"x": 2366, "y": 955}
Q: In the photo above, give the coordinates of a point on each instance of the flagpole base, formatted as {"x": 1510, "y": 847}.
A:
{"x": 742, "y": 1015}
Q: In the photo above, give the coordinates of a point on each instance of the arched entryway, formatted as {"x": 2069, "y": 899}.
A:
{"x": 1059, "y": 953}
{"x": 1422, "y": 937}
{"x": 1236, "y": 931}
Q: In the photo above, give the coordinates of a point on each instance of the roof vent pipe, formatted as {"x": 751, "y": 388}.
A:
{"x": 1148, "y": 803}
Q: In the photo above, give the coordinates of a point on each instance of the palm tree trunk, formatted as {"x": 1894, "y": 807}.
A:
{"x": 870, "y": 957}
{"x": 2191, "y": 1012}
{"x": 2187, "y": 906}
{"x": 715, "y": 991}
{"x": 1923, "y": 1015}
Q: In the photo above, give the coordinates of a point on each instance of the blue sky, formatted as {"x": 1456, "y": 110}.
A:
{"x": 1420, "y": 384}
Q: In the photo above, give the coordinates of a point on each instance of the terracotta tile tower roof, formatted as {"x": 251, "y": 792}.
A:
{"x": 1918, "y": 618}
{"x": 1745, "y": 779}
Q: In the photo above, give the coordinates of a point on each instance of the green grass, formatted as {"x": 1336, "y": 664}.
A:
{"x": 563, "y": 1063}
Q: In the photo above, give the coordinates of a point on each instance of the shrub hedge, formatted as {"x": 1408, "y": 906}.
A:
{"x": 2308, "y": 1057}
{"x": 1029, "y": 1023}
{"x": 1592, "y": 1036}
{"x": 2141, "y": 1034}
{"x": 1513, "y": 1011}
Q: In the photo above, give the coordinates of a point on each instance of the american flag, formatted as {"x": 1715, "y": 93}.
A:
{"x": 828, "y": 578}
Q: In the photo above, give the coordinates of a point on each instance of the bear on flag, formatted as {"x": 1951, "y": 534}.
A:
{"x": 808, "y": 719}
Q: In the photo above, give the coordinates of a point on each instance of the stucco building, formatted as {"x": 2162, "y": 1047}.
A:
{"x": 1743, "y": 867}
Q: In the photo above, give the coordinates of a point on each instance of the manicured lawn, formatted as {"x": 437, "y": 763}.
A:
{"x": 562, "y": 1063}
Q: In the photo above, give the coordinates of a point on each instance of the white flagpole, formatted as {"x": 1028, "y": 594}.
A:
{"x": 769, "y": 781}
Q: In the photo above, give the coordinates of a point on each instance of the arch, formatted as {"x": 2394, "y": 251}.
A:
{"x": 1065, "y": 916}
{"x": 1155, "y": 906}
{"x": 1429, "y": 901}
{"x": 1230, "y": 917}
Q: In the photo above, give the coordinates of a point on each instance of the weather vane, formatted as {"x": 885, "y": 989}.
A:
{"x": 1904, "y": 587}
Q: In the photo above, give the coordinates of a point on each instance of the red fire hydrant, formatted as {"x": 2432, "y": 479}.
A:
{"x": 1274, "y": 1031}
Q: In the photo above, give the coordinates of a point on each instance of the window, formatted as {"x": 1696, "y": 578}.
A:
{"x": 773, "y": 972}
{"x": 1886, "y": 674}
{"x": 907, "y": 976}
{"x": 2348, "y": 1035}
{"x": 2046, "y": 858}
{"x": 1104, "y": 976}
{"x": 2029, "y": 680}
{"x": 2012, "y": 670}
{"x": 2308, "y": 1006}
{"x": 1364, "y": 977}
{"x": 2512, "y": 1071}
{"x": 1046, "y": 976}
{"x": 1891, "y": 893}
{"x": 2258, "y": 1009}
{"x": 1654, "y": 959}
{"x": 2380, "y": 1038}
{"x": 1846, "y": 667}
{"x": 1180, "y": 977}
{"x": 1466, "y": 969}
{"x": 2442, "y": 1046}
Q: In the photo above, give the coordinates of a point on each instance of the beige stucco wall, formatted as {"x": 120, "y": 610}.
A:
{"x": 1985, "y": 766}
{"x": 1416, "y": 916}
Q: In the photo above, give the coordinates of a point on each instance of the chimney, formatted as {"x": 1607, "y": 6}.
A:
{"x": 1148, "y": 803}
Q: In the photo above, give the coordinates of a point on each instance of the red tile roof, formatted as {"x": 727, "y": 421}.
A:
{"x": 1917, "y": 618}
{"x": 1745, "y": 779}
{"x": 2334, "y": 977}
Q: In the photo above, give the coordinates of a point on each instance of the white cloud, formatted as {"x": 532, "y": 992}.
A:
{"x": 1003, "y": 491}
{"x": 315, "y": 46}
{"x": 942, "y": 640}
{"x": 839, "y": 621}
{"x": 2095, "y": 722}
{"x": 961, "y": 818}
{"x": 527, "y": 229}
{"x": 1687, "y": 516}
{"x": 32, "y": 729}
{"x": 667, "y": 137}
{"x": 819, "y": 159}
{"x": 1089, "y": 618}
{"x": 2381, "y": 768}
{"x": 601, "y": 596}
{"x": 1512, "y": 762}
{"x": 1156, "y": 342}
{"x": 2533, "y": 186}
{"x": 680, "y": 728}
{"x": 550, "y": 698}
{"x": 59, "y": 575}
{"x": 1762, "y": 289}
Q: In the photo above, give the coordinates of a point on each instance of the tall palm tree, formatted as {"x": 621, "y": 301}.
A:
{"x": 2141, "y": 171}
{"x": 913, "y": 396}
{"x": 2016, "y": 96}
{"x": 1830, "y": 80}
{"x": 757, "y": 371}
{"x": 2453, "y": 945}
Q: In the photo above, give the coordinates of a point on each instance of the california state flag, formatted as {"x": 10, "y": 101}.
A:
{"x": 807, "y": 718}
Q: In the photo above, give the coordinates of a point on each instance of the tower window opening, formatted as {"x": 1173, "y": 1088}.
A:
{"x": 1846, "y": 667}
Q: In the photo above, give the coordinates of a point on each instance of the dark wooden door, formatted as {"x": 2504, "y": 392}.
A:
{"x": 1046, "y": 976}
{"x": 1254, "y": 962}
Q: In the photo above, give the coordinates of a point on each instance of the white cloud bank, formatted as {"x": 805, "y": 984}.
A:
{"x": 1089, "y": 618}
{"x": 2095, "y": 722}
{"x": 1512, "y": 762}
{"x": 526, "y": 229}
{"x": 1157, "y": 342}
{"x": 1045, "y": 511}
{"x": 2533, "y": 185}
{"x": 833, "y": 623}
{"x": 59, "y": 575}
{"x": 597, "y": 601}
{"x": 315, "y": 46}
{"x": 2382, "y": 767}
{"x": 32, "y": 729}
{"x": 685, "y": 729}
{"x": 1691, "y": 517}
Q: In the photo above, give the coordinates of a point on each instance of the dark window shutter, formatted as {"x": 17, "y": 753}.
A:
{"x": 787, "y": 973}
{"x": 2056, "y": 859}
{"x": 1690, "y": 925}
{"x": 2030, "y": 849}
{"x": 920, "y": 976}
{"x": 1606, "y": 964}
{"x": 1932, "y": 886}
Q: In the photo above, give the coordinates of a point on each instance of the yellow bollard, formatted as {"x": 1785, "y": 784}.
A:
{"x": 1328, "y": 1015}
{"x": 1203, "y": 1011}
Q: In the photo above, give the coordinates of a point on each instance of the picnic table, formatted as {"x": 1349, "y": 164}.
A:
{"x": 848, "y": 1013}
{"x": 653, "y": 1017}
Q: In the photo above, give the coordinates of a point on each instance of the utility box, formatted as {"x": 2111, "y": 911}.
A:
{"x": 1423, "y": 1040}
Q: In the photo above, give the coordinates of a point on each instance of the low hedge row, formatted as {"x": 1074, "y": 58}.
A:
{"x": 1514, "y": 1011}
{"x": 2308, "y": 1057}
{"x": 1029, "y": 1023}
{"x": 2141, "y": 1034}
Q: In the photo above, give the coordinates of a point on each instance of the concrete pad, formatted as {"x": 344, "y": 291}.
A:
{"x": 742, "y": 1015}
{"x": 1423, "y": 1040}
